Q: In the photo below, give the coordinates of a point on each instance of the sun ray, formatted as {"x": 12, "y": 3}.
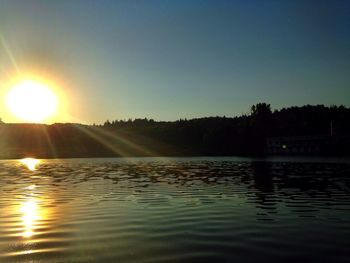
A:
{"x": 10, "y": 54}
{"x": 53, "y": 151}
{"x": 101, "y": 140}
{"x": 101, "y": 136}
{"x": 125, "y": 141}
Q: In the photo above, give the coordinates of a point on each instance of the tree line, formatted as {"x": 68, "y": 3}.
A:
{"x": 244, "y": 134}
{"x": 240, "y": 135}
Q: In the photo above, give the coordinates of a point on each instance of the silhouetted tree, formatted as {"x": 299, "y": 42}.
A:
{"x": 261, "y": 110}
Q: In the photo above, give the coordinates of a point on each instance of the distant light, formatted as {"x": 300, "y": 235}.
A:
{"x": 284, "y": 146}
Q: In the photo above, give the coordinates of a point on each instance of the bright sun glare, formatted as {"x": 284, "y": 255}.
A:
{"x": 32, "y": 101}
{"x": 30, "y": 163}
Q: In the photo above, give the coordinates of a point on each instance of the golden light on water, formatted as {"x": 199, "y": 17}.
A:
{"x": 30, "y": 163}
{"x": 30, "y": 211}
{"x": 32, "y": 101}
{"x": 31, "y": 187}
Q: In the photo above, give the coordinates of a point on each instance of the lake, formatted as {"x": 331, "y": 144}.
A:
{"x": 175, "y": 210}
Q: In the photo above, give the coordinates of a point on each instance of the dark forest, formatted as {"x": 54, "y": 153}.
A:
{"x": 209, "y": 136}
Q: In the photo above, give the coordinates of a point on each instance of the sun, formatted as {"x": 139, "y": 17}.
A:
{"x": 32, "y": 101}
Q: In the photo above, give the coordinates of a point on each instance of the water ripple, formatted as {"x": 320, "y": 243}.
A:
{"x": 174, "y": 210}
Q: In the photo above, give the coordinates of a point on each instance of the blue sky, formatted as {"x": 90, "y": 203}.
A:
{"x": 181, "y": 59}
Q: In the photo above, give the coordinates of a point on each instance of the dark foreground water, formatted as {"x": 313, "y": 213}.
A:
{"x": 175, "y": 210}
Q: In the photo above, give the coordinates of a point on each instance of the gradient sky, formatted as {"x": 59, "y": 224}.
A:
{"x": 180, "y": 59}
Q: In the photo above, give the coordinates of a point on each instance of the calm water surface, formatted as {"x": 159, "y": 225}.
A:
{"x": 175, "y": 210}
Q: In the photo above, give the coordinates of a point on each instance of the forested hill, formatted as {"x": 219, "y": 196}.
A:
{"x": 243, "y": 135}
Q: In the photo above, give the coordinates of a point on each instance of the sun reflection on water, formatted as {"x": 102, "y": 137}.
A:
{"x": 31, "y": 187}
{"x": 31, "y": 163}
{"x": 31, "y": 215}
{"x": 32, "y": 212}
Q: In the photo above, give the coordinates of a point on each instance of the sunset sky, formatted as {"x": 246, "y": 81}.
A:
{"x": 177, "y": 59}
